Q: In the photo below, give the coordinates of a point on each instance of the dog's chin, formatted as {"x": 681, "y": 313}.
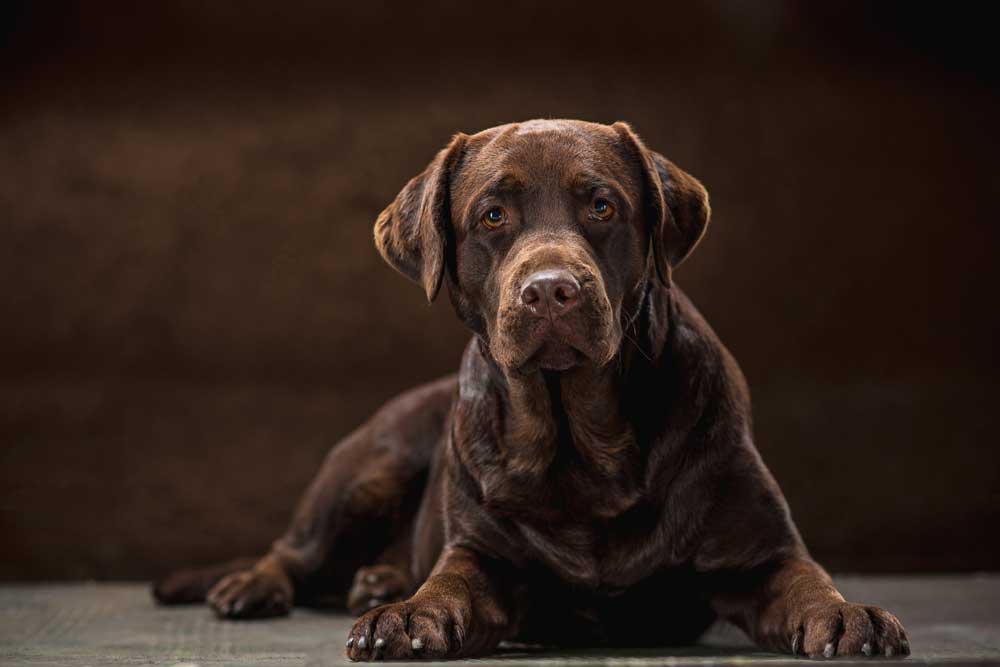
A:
{"x": 545, "y": 355}
{"x": 556, "y": 356}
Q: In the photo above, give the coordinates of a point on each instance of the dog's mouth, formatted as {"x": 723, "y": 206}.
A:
{"x": 548, "y": 348}
{"x": 554, "y": 346}
{"x": 562, "y": 335}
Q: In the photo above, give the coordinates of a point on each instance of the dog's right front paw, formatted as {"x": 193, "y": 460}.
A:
{"x": 251, "y": 594}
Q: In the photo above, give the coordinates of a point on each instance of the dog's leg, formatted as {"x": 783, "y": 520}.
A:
{"x": 463, "y": 609}
{"x": 793, "y": 607}
{"x": 388, "y": 579}
{"x": 367, "y": 490}
{"x": 410, "y": 557}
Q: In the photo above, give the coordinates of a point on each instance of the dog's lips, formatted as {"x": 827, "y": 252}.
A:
{"x": 549, "y": 348}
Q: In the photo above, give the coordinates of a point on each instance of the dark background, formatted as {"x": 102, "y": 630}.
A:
{"x": 192, "y": 310}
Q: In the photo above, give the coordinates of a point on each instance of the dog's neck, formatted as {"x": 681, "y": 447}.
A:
{"x": 549, "y": 415}
{"x": 571, "y": 426}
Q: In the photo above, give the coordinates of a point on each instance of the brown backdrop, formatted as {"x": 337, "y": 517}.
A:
{"x": 192, "y": 312}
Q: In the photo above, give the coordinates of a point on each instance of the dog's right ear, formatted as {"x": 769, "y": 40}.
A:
{"x": 411, "y": 233}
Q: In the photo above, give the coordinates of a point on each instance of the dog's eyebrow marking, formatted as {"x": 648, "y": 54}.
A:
{"x": 583, "y": 184}
{"x": 508, "y": 183}
{"x": 505, "y": 184}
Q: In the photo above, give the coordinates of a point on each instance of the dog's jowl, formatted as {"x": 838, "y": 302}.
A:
{"x": 589, "y": 477}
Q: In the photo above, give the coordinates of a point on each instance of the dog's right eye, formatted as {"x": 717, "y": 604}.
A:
{"x": 494, "y": 218}
{"x": 603, "y": 210}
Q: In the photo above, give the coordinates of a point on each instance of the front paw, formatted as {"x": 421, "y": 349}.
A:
{"x": 251, "y": 594}
{"x": 415, "y": 629}
{"x": 849, "y": 629}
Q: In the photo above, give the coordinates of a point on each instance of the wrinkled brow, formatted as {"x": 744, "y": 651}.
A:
{"x": 584, "y": 183}
{"x": 505, "y": 184}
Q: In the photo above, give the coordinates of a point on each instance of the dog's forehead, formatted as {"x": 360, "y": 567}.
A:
{"x": 542, "y": 152}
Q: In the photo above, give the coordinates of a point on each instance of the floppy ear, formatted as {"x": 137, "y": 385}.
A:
{"x": 676, "y": 205}
{"x": 412, "y": 231}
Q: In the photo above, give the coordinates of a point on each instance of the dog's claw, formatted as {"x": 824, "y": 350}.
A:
{"x": 350, "y": 641}
{"x": 379, "y": 643}
{"x": 828, "y": 650}
{"x": 888, "y": 651}
{"x": 866, "y": 648}
{"x": 361, "y": 642}
{"x": 417, "y": 644}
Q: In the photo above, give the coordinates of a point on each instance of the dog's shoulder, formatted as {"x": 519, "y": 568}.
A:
{"x": 694, "y": 347}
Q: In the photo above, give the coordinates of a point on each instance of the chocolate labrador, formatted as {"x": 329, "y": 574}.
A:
{"x": 589, "y": 478}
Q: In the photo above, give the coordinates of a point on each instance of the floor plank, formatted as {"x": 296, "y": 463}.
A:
{"x": 950, "y": 620}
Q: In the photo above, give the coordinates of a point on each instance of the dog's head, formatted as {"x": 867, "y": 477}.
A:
{"x": 547, "y": 233}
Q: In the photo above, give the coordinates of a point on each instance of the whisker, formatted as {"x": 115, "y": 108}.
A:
{"x": 631, "y": 319}
{"x": 637, "y": 346}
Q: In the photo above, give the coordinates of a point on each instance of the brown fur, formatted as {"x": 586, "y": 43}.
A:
{"x": 590, "y": 476}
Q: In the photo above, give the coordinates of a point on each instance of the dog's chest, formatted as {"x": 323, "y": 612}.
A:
{"x": 586, "y": 530}
{"x": 601, "y": 556}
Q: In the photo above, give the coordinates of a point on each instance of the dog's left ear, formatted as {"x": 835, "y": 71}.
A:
{"x": 412, "y": 231}
{"x": 676, "y": 205}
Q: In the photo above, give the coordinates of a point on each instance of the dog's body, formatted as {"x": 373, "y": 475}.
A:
{"x": 589, "y": 478}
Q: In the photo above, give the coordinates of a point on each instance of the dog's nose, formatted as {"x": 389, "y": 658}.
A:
{"x": 556, "y": 292}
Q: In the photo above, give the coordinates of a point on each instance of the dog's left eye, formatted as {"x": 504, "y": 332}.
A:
{"x": 602, "y": 209}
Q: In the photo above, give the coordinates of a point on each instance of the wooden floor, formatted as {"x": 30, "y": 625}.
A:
{"x": 950, "y": 620}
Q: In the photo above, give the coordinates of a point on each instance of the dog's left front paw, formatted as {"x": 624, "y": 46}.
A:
{"x": 849, "y": 629}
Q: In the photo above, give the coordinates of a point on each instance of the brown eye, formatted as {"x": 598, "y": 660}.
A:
{"x": 494, "y": 217}
{"x": 603, "y": 210}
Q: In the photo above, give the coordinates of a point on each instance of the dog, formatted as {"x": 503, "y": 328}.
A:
{"x": 589, "y": 477}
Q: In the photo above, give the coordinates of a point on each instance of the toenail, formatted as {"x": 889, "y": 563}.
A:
{"x": 866, "y": 648}
{"x": 417, "y": 644}
{"x": 888, "y": 651}
{"x": 828, "y": 650}
{"x": 361, "y": 642}
{"x": 379, "y": 643}
{"x": 905, "y": 645}
{"x": 350, "y": 640}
